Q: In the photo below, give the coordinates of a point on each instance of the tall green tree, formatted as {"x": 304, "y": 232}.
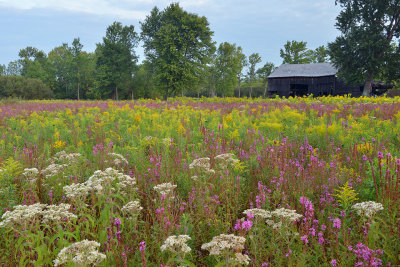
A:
{"x": 3, "y": 70}
{"x": 242, "y": 63}
{"x": 227, "y": 66}
{"x": 254, "y": 59}
{"x": 34, "y": 64}
{"x": 364, "y": 47}
{"x": 320, "y": 54}
{"x": 294, "y": 52}
{"x": 178, "y": 44}
{"x": 264, "y": 72}
{"x": 60, "y": 59}
{"x": 116, "y": 59}
{"x": 13, "y": 68}
{"x": 78, "y": 61}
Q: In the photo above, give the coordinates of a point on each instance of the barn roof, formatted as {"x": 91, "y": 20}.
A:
{"x": 304, "y": 70}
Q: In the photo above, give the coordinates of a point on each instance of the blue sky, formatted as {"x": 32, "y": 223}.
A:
{"x": 261, "y": 26}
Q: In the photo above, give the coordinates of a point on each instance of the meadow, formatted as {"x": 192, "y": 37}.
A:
{"x": 201, "y": 182}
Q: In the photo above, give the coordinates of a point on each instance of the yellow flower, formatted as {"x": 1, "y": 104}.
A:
{"x": 59, "y": 144}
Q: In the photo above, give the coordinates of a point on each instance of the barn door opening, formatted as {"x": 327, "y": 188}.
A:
{"x": 298, "y": 89}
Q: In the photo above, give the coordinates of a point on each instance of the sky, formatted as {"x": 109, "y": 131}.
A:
{"x": 258, "y": 26}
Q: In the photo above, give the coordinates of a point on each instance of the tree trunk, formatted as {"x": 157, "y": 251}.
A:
{"x": 265, "y": 89}
{"x": 116, "y": 93}
{"x": 251, "y": 89}
{"x": 212, "y": 92}
{"x": 239, "y": 89}
{"x": 165, "y": 95}
{"x": 368, "y": 84}
{"x": 79, "y": 85}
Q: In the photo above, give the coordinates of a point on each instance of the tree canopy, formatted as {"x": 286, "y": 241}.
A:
{"x": 179, "y": 44}
{"x": 116, "y": 59}
{"x": 364, "y": 46}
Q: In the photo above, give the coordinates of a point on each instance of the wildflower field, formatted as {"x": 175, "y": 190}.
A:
{"x": 201, "y": 182}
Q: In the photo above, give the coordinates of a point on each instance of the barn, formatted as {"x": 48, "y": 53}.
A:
{"x": 304, "y": 79}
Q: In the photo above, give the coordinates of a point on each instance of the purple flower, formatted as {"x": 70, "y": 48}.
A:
{"x": 337, "y": 223}
{"x": 142, "y": 246}
{"x": 333, "y": 262}
{"x": 304, "y": 238}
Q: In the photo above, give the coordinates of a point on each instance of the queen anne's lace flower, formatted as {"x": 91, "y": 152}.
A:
{"x": 176, "y": 244}
{"x": 131, "y": 208}
{"x": 224, "y": 243}
{"x": 165, "y": 188}
{"x": 118, "y": 158}
{"x": 225, "y": 160}
{"x": 367, "y": 209}
{"x": 242, "y": 258}
{"x": 286, "y": 215}
{"x": 31, "y": 174}
{"x": 202, "y": 166}
{"x": 53, "y": 170}
{"x": 100, "y": 179}
{"x": 80, "y": 253}
{"x": 264, "y": 214}
{"x": 76, "y": 191}
{"x": 64, "y": 157}
{"x": 43, "y": 213}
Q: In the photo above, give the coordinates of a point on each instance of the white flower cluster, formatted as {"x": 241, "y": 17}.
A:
{"x": 201, "y": 166}
{"x": 286, "y": 215}
{"x": 53, "y": 169}
{"x": 176, "y": 244}
{"x": 131, "y": 208}
{"x": 99, "y": 179}
{"x": 165, "y": 188}
{"x": 367, "y": 209}
{"x": 80, "y": 253}
{"x": 43, "y": 213}
{"x": 242, "y": 258}
{"x": 261, "y": 213}
{"x": 31, "y": 174}
{"x": 76, "y": 191}
{"x": 225, "y": 160}
{"x": 59, "y": 162}
{"x": 118, "y": 158}
{"x": 224, "y": 243}
{"x": 63, "y": 157}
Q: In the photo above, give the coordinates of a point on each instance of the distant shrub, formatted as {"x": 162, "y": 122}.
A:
{"x": 25, "y": 88}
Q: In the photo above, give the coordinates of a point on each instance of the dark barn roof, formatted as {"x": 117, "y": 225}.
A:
{"x": 304, "y": 70}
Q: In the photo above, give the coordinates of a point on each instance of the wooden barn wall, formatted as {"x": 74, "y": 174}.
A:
{"x": 316, "y": 86}
{"x": 344, "y": 89}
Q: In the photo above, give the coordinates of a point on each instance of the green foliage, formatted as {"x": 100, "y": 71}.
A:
{"x": 364, "y": 47}
{"x": 26, "y": 88}
{"x": 264, "y": 72}
{"x": 116, "y": 60}
{"x": 254, "y": 59}
{"x": 226, "y": 68}
{"x": 346, "y": 195}
{"x": 9, "y": 173}
{"x": 296, "y": 53}
{"x": 178, "y": 44}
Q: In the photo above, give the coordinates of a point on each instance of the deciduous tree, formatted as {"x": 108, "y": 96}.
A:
{"x": 116, "y": 59}
{"x": 264, "y": 72}
{"x": 178, "y": 44}
{"x": 254, "y": 59}
{"x": 364, "y": 47}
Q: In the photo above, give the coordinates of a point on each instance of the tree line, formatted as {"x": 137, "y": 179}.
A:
{"x": 181, "y": 58}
